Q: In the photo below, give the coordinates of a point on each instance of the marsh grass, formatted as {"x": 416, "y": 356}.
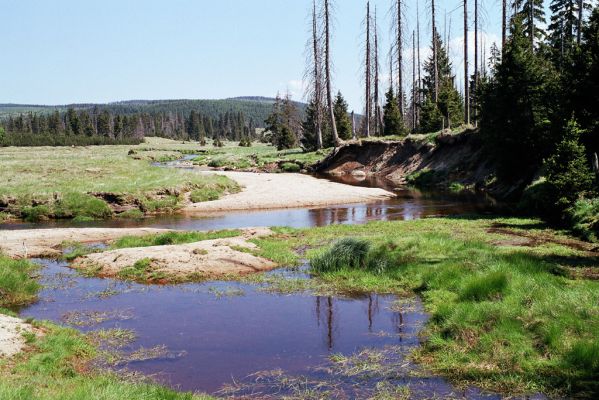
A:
{"x": 503, "y": 317}
{"x": 17, "y": 283}
{"x": 58, "y": 365}
{"x": 170, "y": 238}
{"x": 49, "y": 182}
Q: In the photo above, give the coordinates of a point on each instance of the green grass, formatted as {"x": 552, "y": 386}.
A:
{"x": 17, "y": 287}
{"x": 199, "y": 196}
{"x": 57, "y": 368}
{"x": 260, "y": 155}
{"x": 504, "y": 317}
{"x": 51, "y": 182}
{"x": 171, "y": 238}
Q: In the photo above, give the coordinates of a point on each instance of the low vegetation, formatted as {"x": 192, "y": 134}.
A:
{"x": 509, "y": 310}
{"x": 98, "y": 182}
{"x": 17, "y": 286}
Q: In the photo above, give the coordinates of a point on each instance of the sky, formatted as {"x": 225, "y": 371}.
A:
{"x": 74, "y": 51}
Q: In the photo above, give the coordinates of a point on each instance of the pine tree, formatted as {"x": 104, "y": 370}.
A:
{"x": 392, "y": 120}
{"x": 531, "y": 14}
{"x": 342, "y": 118}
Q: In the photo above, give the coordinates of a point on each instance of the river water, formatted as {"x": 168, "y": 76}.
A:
{"x": 238, "y": 339}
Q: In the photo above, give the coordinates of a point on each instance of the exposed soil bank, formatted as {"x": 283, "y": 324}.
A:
{"x": 11, "y": 335}
{"x": 200, "y": 260}
{"x": 450, "y": 158}
{"x": 270, "y": 191}
{"x": 29, "y": 243}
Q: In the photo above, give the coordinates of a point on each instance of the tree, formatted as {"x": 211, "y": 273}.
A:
{"x": 569, "y": 175}
{"x": 466, "y": 73}
{"x": 342, "y": 117}
{"x": 516, "y": 109}
{"x": 283, "y": 123}
{"x": 316, "y": 83}
{"x": 368, "y": 76}
{"x": 392, "y": 120}
{"x": 73, "y": 121}
{"x": 104, "y": 124}
{"x": 531, "y": 15}
{"x": 327, "y": 64}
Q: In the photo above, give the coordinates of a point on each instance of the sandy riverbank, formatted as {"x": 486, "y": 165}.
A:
{"x": 11, "y": 335}
{"x": 271, "y": 191}
{"x": 29, "y": 243}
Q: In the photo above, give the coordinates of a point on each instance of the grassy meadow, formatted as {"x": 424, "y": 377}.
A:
{"x": 57, "y": 182}
{"x": 514, "y": 306}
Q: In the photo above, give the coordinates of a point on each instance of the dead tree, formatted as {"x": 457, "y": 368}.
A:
{"x": 504, "y": 25}
{"x": 399, "y": 48}
{"x": 475, "y": 84}
{"x": 327, "y": 52}
{"x": 377, "y": 107}
{"x": 435, "y": 55}
{"x": 418, "y": 46}
{"x": 316, "y": 77}
{"x": 466, "y": 77}
{"x": 367, "y": 73}
{"x": 579, "y": 21}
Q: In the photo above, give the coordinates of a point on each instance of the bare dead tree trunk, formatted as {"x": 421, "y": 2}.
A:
{"x": 532, "y": 24}
{"x": 317, "y": 79}
{"x": 377, "y": 110}
{"x": 413, "y": 81}
{"x": 475, "y": 85}
{"x": 400, "y": 96}
{"x": 418, "y": 44}
{"x": 579, "y": 22}
{"x": 504, "y": 25}
{"x": 353, "y": 124}
{"x": 435, "y": 60}
{"x": 327, "y": 25}
{"x": 466, "y": 78}
{"x": 368, "y": 70}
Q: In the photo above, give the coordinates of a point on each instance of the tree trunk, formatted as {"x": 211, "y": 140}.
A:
{"x": 317, "y": 80}
{"x": 376, "y": 78}
{"x": 475, "y": 85}
{"x": 579, "y": 22}
{"x": 504, "y": 25}
{"x": 466, "y": 77}
{"x": 327, "y": 18}
{"x": 418, "y": 46}
{"x": 435, "y": 61}
{"x": 399, "y": 59}
{"x": 368, "y": 70}
{"x": 413, "y": 81}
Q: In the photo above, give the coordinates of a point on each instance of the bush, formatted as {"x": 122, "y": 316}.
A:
{"x": 201, "y": 195}
{"x": 290, "y": 167}
{"x": 585, "y": 218}
{"x": 345, "y": 253}
{"x": 36, "y": 213}
{"x": 79, "y": 205}
{"x": 484, "y": 287}
{"x": 425, "y": 177}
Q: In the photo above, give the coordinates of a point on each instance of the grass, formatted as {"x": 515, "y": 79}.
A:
{"x": 503, "y": 316}
{"x": 17, "y": 286}
{"x": 57, "y": 366}
{"x": 259, "y": 156}
{"x": 168, "y": 238}
{"x": 68, "y": 182}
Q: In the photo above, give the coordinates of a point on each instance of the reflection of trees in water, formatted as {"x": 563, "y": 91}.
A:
{"x": 326, "y": 316}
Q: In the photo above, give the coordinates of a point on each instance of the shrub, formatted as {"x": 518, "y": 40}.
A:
{"x": 585, "y": 218}
{"x": 290, "y": 167}
{"x": 345, "y": 253}
{"x": 484, "y": 287}
{"x": 201, "y": 195}
{"x": 74, "y": 205}
{"x": 35, "y": 213}
{"x": 217, "y": 163}
{"x": 425, "y": 177}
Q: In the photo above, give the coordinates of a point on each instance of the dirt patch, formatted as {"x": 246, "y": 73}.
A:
{"x": 29, "y": 243}
{"x": 200, "y": 260}
{"x": 271, "y": 191}
{"x": 11, "y": 335}
{"x": 523, "y": 238}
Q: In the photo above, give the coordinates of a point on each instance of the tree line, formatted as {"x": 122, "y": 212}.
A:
{"x": 100, "y": 126}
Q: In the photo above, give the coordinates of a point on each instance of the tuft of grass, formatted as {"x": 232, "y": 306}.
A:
{"x": 169, "y": 238}
{"x": 199, "y": 196}
{"x": 346, "y": 253}
{"x": 142, "y": 271}
{"x": 17, "y": 283}
{"x": 290, "y": 167}
{"x": 131, "y": 214}
{"x": 485, "y": 286}
{"x": 78, "y": 205}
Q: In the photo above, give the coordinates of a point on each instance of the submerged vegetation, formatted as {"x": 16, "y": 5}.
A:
{"x": 509, "y": 311}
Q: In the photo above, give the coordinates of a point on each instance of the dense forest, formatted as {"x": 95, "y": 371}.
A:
{"x": 106, "y": 126}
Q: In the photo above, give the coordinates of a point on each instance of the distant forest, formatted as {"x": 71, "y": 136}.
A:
{"x": 130, "y": 121}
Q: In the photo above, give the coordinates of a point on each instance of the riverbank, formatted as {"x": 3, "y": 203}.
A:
{"x": 262, "y": 191}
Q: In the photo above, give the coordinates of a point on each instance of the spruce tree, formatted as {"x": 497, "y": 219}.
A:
{"x": 392, "y": 121}
{"x": 340, "y": 107}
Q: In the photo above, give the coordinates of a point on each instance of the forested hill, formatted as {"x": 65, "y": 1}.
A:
{"x": 255, "y": 108}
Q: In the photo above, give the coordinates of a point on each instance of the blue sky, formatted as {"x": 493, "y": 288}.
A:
{"x": 67, "y": 51}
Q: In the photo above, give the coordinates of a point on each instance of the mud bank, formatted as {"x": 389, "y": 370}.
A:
{"x": 449, "y": 158}
{"x": 30, "y": 243}
{"x": 275, "y": 191}
{"x": 200, "y": 260}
